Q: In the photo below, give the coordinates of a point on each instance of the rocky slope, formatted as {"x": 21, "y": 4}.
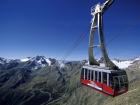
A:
{"x": 82, "y": 95}
{"x": 42, "y": 81}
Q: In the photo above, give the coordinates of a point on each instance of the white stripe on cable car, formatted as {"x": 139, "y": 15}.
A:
{"x": 94, "y": 85}
{"x": 98, "y": 69}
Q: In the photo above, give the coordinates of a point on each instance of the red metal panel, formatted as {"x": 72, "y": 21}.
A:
{"x": 93, "y": 84}
{"x": 98, "y": 86}
{"x": 108, "y": 89}
{"x": 121, "y": 91}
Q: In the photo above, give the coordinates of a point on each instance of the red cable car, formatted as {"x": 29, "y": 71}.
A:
{"x": 111, "y": 82}
{"x": 109, "y": 79}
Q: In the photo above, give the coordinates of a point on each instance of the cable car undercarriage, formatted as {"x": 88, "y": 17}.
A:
{"x": 109, "y": 79}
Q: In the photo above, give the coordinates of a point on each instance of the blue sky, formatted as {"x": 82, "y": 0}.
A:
{"x": 50, "y": 27}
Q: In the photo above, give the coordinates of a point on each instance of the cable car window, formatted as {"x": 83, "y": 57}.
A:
{"x": 111, "y": 84}
{"x": 89, "y": 74}
{"x": 105, "y": 78}
{"x": 95, "y": 75}
{"x": 125, "y": 81}
{"x": 82, "y": 72}
{"x": 125, "y": 78}
{"x": 116, "y": 83}
{"x": 85, "y": 73}
{"x": 99, "y": 76}
{"x": 92, "y": 74}
{"x": 121, "y": 81}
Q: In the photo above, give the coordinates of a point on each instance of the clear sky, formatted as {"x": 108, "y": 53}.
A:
{"x": 50, "y": 27}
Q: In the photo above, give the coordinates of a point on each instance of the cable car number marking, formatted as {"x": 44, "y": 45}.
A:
{"x": 92, "y": 84}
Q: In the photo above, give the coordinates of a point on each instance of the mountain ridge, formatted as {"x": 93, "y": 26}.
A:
{"x": 22, "y": 84}
{"x": 38, "y": 62}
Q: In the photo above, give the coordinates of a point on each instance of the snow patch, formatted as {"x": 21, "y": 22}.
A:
{"x": 61, "y": 64}
{"x": 48, "y": 61}
{"x": 25, "y": 59}
{"x": 122, "y": 64}
{"x": 137, "y": 59}
{"x": 102, "y": 65}
{"x": 3, "y": 60}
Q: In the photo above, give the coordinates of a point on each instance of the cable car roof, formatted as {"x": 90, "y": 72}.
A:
{"x": 101, "y": 69}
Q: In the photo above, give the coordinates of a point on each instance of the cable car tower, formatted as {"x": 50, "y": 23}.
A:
{"x": 97, "y": 24}
{"x": 109, "y": 79}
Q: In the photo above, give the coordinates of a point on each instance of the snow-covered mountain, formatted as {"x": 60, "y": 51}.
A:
{"x": 123, "y": 64}
{"x": 29, "y": 62}
{"x": 41, "y": 61}
{"x": 3, "y": 60}
{"x": 36, "y": 62}
{"x": 22, "y": 85}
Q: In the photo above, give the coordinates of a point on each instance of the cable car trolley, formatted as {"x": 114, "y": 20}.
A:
{"x": 109, "y": 79}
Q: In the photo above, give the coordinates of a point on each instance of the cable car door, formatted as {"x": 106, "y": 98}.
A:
{"x": 119, "y": 84}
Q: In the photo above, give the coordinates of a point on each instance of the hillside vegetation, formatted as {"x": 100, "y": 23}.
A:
{"x": 55, "y": 85}
{"x": 82, "y": 95}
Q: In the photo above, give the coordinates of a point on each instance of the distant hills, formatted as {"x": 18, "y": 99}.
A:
{"x": 45, "y": 81}
{"x": 38, "y": 62}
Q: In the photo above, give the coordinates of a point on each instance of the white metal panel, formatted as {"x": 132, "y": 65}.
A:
{"x": 90, "y": 75}
{"x": 84, "y": 74}
{"x": 94, "y": 75}
{"x": 98, "y": 69}
{"x": 87, "y": 73}
{"x": 107, "y": 79}
{"x": 101, "y": 77}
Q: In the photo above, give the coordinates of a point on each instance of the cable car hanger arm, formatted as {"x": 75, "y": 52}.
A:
{"x": 106, "y": 5}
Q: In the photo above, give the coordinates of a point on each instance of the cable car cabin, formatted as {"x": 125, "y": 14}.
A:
{"x": 111, "y": 82}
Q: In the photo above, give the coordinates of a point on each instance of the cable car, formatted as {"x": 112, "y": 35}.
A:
{"x": 109, "y": 79}
{"x": 110, "y": 82}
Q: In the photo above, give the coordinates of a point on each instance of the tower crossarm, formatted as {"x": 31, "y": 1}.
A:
{"x": 106, "y": 5}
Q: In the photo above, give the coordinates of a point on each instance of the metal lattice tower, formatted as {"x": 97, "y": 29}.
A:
{"x": 97, "y": 25}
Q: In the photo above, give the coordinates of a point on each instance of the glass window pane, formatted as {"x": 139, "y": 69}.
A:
{"x": 125, "y": 78}
{"x": 92, "y": 74}
{"x": 95, "y": 75}
{"x": 99, "y": 76}
{"x": 89, "y": 74}
{"x": 82, "y": 72}
{"x": 105, "y": 78}
{"x": 111, "y": 84}
{"x": 116, "y": 83}
{"x": 85, "y": 73}
{"x": 121, "y": 81}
